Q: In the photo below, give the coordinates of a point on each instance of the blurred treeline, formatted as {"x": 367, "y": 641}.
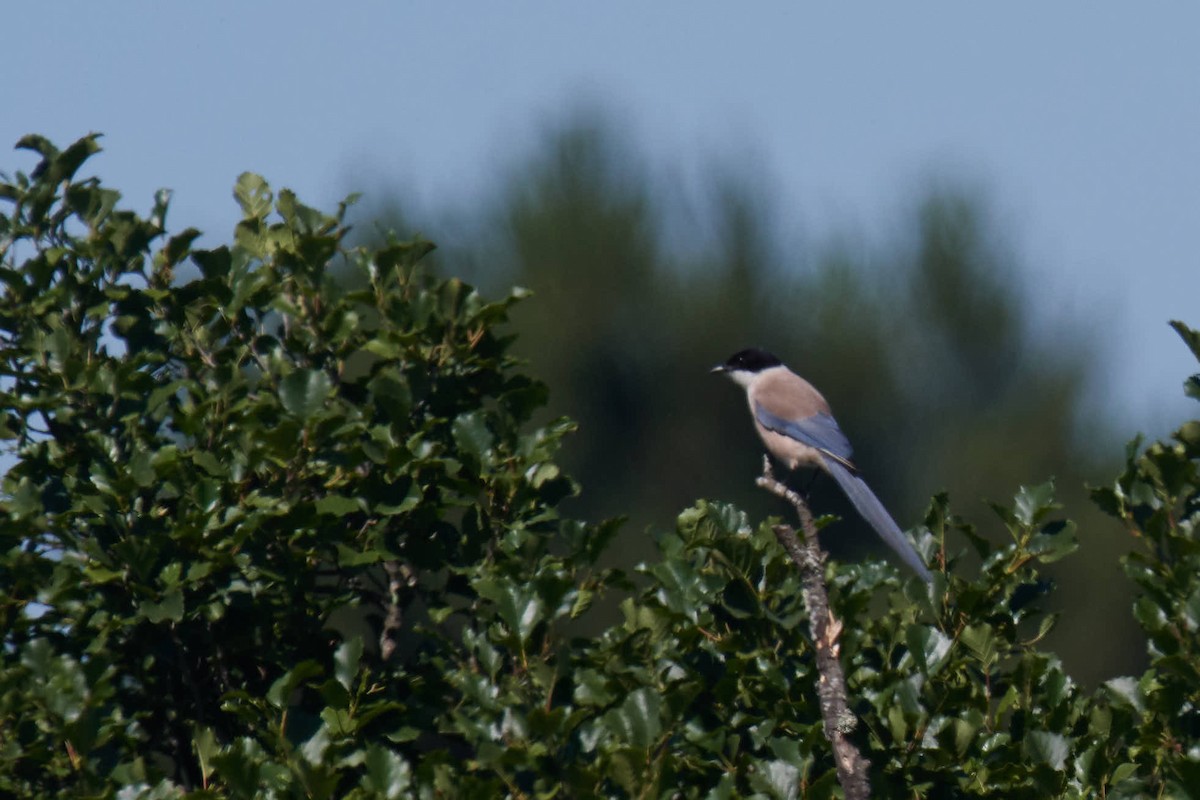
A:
{"x": 925, "y": 346}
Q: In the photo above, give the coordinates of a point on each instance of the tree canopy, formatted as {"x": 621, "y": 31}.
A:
{"x": 279, "y": 520}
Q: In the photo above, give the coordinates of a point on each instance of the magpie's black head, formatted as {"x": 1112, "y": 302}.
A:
{"x": 750, "y": 360}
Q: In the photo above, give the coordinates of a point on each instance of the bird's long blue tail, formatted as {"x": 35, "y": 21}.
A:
{"x": 872, "y": 511}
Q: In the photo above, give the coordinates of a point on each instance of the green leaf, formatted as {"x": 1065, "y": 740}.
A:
{"x": 345, "y": 661}
{"x": 1051, "y": 546}
{"x": 929, "y": 646}
{"x": 778, "y": 779}
{"x": 637, "y": 720}
{"x": 280, "y": 693}
{"x": 253, "y": 195}
{"x": 205, "y": 743}
{"x": 348, "y": 557}
{"x": 1150, "y": 615}
{"x": 1033, "y": 503}
{"x": 472, "y": 436}
{"x": 411, "y": 500}
{"x": 981, "y": 641}
{"x": 316, "y": 746}
{"x": 304, "y": 392}
{"x": 100, "y": 575}
{"x": 1110, "y": 500}
{"x": 1051, "y": 749}
{"x": 68, "y": 162}
{"x": 240, "y": 766}
{"x": 1124, "y": 771}
{"x": 179, "y": 246}
{"x": 519, "y": 607}
{"x": 141, "y": 468}
{"x": 1127, "y": 691}
{"x": 162, "y": 202}
{"x": 169, "y": 608}
{"x": 1190, "y": 337}
{"x": 965, "y": 731}
{"x": 213, "y": 264}
{"x": 387, "y": 773}
{"x": 590, "y": 688}
{"x": 1189, "y": 435}
{"x": 208, "y": 462}
{"x": 1045, "y": 626}
{"x": 336, "y": 505}
{"x": 37, "y": 143}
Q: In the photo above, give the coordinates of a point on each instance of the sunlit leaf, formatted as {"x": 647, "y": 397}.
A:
{"x": 253, "y": 195}
{"x": 637, "y": 719}
{"x": 304, "y": 391}
{"x": 346, "y": 659}
{"x": 1048, "y": 748}
{"x": 387, "y": 774}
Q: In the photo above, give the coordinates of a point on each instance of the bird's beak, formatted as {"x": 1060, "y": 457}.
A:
{"x": 718, "y": 368}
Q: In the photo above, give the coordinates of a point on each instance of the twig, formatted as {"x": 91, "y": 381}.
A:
{"x": 838, "y": 720}
{"x": 399, "y": 577}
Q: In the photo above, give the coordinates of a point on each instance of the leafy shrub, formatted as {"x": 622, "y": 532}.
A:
{"x": 274, "y": 524}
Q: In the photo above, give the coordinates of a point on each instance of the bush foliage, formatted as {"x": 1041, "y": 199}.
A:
{"x": 275, "y": 523}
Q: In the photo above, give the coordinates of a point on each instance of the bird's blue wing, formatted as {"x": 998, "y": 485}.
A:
{"x": 820, "y": 431}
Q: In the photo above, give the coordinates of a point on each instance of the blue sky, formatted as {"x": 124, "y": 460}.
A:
{"x": 1081, "y": 120}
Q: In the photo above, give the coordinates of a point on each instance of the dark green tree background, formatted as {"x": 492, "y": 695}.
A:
{"x": 925, "y": 345}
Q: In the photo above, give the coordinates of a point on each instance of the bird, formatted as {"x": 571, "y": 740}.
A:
{"x": 794, "y": 421}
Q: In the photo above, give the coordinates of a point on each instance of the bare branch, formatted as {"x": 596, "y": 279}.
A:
{"x": 399, "y": 577}
{"x": 838, "y": 720}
